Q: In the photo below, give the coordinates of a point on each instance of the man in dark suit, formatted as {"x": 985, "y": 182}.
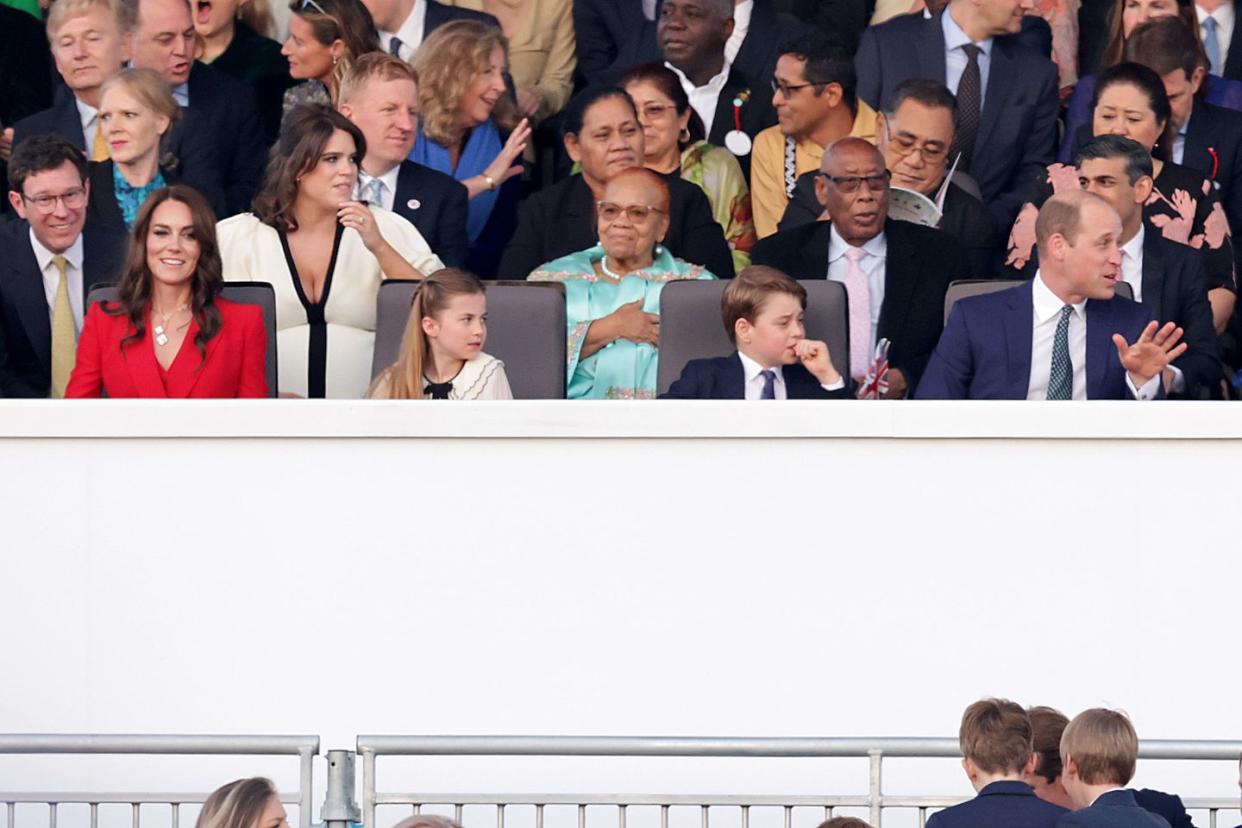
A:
{"x": 49, "y": 261}
{"x": 160, "y": 35}
{"x": 762, "y": 310}
{"x": 404, "y": 24}
{"x": 915, "y": 136}
{"x": 896, "y": 273}
{"x": 1165, "y": 276}
{"x": 1099, "y": 750}
{"x": 692, "y": 37}
{"x": 379, "y": 94}
{"x": 997, "y": 748}
{"x": 602, "y": 27}
{"x": 603, "y": 135}
{"x": 25, "y": 72}
{"x": 1007, "y": 100}
{"x": 1063, "y": 335}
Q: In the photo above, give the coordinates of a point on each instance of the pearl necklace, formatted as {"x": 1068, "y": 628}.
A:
{"x": 603, "y": 265}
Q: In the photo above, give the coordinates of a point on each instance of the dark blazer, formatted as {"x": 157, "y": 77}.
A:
{"x": 189, "y": 139}
{"x": 103, "y": 208}
{"x": 965, "y": 219}
{"x": 1164, "y": 805}
{"x": 1115, "y": 809}
{"x": 560, "y": 220}
{"x": 1233, "y": 57}
{"x": 601, "y": 27}
{"x": 756, "y": 112}
{"x": 985, "y": 351}
{"x": 25, "y": 329}
{"x": 234, "y": 367}
{"x": 437, "y": 14}
{"x": 229, "y": 107}
{"x": 722, "y": 378}
{"x": 845, "y": 19}
{"x": 436, "y": 204}
{"x": 1012, "y": 804}
{"x": 256, "y": 60}
{"x": 921, "y": 263}
{"x": 1018, "y": 128}
{"x": 26, "y": 72}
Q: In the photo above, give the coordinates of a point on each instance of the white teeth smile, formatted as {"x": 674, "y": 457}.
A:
{"x": 173, "y": 262}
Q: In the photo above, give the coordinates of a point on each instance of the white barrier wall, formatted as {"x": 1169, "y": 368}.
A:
{"x": 617, "y": 568}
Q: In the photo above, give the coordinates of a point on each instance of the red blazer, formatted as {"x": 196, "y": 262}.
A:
{"x": 234, "y": 367}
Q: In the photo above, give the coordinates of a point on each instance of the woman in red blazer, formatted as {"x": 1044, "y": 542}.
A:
{"x": 170, "y": 334}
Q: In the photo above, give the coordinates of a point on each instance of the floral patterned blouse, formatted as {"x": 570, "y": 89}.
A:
{"x": 719, "y": 176}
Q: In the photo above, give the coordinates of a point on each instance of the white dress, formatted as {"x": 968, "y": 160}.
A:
{"x": 482, "y": 378}
{"x": 323, "y": 349}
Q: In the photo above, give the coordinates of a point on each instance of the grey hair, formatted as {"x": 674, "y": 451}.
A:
{"x": 428, "y": 821}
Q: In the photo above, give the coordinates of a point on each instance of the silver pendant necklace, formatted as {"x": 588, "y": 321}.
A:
{"x": 161, "y": 335}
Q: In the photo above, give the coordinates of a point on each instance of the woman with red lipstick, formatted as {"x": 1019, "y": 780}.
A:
{"x": 325, "y": 37}
{"x": 466, "y": 111}
{"x": 171, "y": 334}
{"x": 136, "y": 112}
{"x": 323, "y": 253}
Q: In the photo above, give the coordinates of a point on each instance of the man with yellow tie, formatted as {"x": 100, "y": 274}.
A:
{"x": 49, "y": 261}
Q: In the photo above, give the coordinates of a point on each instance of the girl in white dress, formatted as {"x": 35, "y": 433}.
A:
{"x": 442, "y": 349}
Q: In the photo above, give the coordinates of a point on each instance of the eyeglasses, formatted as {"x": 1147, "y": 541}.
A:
{"x": 786, "y": 88}
{"x": 906, "y": 146}
{"x": 73, "y": 199}
{"x": 654, "y": 112}
{"x": 850, "y": 183}
{"x": 302, "y": 7}
{"x": 636, "y": 213}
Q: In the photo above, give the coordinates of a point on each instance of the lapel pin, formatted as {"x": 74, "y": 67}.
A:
{"x": 413, "y": 204}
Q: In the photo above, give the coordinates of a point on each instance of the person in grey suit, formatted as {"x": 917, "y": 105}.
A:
{"x": 1006, "y": 92}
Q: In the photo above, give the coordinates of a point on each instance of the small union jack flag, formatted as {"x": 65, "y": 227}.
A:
{"x": 875, "y": 384}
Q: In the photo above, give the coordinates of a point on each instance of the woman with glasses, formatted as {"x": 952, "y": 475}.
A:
{"x": 325, "y": 38}
{"x": 673, "y": 145}
{"x": 612, "y": 290}
{"x": 136, "y": 113}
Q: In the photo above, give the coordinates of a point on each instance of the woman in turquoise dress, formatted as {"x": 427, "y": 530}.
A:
{"x": 612, "y": 291}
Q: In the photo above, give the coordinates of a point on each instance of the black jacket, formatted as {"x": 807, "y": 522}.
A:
{"x": 920, "y": 264}
{"x": 103, "y": 209}
{"x": 25, "y": 329}
{"x": 228, "y": 107}
{"x": 560, "y": 220}
{"x": 436, "y": 204}
{"x": 256, "y": 60}
{"x": 722, "y": 378}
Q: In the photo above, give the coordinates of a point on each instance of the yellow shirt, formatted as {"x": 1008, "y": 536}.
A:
{"x": 767, "y": 167}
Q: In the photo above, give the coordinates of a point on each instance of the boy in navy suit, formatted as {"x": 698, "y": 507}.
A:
{"x": 1099, "y": 750}
{"x": 997, "y": 749}
{"x": 762, "y": 311}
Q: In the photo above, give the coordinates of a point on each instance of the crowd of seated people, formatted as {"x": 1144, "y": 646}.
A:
{"x": 612, "y": 147}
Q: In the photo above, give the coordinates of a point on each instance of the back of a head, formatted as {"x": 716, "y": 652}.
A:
{"x": 428, "y": 821}
{"x": 996, "y": 736}
{"x": 745, "y": 295}
{"x": 844, "y": 822}
{"x": 238, "y": 804}
{"x": 1164, "y": 44}
{"x": 1047, "y": 725}
{"x": 828, "y": 60}
{"x": 1103, "y": 745}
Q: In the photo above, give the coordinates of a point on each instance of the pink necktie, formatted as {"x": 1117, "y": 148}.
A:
{"x": 859, "y": 292}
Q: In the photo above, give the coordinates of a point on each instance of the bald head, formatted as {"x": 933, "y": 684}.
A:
{"x": 853, "y": 186}
{"x": 849, "y": 147}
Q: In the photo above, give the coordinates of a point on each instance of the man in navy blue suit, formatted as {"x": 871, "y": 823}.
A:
{"x": 1063, "y": 335}
{"x": 1099, "y": 750}
{"x": 380, "y": 95}
{"x": 762, "y": 312}
{"x": 997, "y": 749}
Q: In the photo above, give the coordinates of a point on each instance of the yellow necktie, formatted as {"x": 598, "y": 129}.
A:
{"x": 64, "y": 332}
{"x": 99, "y": 150}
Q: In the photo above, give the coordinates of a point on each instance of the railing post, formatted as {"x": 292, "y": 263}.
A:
{"x": 368, "y": 788}
{"x": 306, "y": 800}
{"x": 339, "y": 808}
{"x": 876, "y": 796}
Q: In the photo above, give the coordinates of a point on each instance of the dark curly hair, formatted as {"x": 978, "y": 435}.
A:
{"x": 205, "y": 285}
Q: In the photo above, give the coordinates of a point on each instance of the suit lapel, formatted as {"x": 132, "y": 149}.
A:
{"x": 68, "y": 119}
{"x": 1100, "y": 347}
{"x": 901, "y": 270}
{"x": 1000, "y": 84}
{"x": 931, "y": 49}
{"x": 144, "y": 371}
{"x": 1018, "y": 319}
{"x": 186, "y": 368}
{"x": 434, "y": 17}
{"x": 1153, "y": 273}
{"x": 733, "y": 385}
{"x": 815, "y": 252}
{"x": 29, "y": 297}
{"x": 1198, "y": 140}
{"x": 103, "y": 196}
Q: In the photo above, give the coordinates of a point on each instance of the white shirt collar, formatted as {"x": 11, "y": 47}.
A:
{"x": 86, "y": 112}
{"x": 741, "y": 25}
{"x": 877, "y": 246}
{"x": 43, "y": 256}
{"x": 752, "y": 369}
{"x": 411, "y": 29}
{"x": 1048, "y": 304}
{"x": 955, "y": 38}
{"x": 389, "y": 178}
{"x": 1224, "y": 16}
{"x": 1134, "y": 247}
{"x": 181, "y": 92}
{"x": 715, "y": 84}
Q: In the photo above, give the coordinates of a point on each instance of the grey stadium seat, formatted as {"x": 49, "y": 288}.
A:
{"x": 691, "y": 327}
{"x": 244, "y": 293}
{"x": 964, "y": 288}
{"x": 525, "y": 330}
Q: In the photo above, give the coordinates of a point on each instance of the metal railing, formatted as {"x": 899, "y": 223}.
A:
{"x": 874, "y": 750}
{"x": 304, "y": 747}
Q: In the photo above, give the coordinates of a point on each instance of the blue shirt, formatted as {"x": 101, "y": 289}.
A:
{"x": 955, "y": 58}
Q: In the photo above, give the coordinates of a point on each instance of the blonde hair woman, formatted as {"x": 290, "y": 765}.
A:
{"x": 465, "y": 110}
{"x": 245, "y": 803}
{"x": 136, "y": 114}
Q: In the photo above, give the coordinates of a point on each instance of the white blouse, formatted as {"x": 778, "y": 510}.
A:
{"x": 324, "y": 348}
{"x": 482, "y": 378}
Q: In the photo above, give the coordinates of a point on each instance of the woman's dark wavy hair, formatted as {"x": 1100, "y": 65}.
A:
{"x": 205, "y": 285}
{"x": 303, "y": 135}
{"x": 664, "y": 79}
{"x": 1149, "y": 83}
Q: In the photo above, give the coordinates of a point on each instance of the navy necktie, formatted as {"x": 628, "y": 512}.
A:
{"x": 394, "y": 46}
{"x": 769, "y": 385}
